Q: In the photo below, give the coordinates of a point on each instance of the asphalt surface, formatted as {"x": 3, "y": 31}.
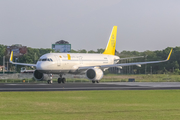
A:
{"x": 90, "y": 86}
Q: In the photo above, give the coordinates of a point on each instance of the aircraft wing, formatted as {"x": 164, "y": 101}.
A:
{"x": 126, "y": 64}
{"x": 24, "y": 64}
{"x": 130, "y": 58}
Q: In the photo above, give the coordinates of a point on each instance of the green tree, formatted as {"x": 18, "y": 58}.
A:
{"x": 100, "y": 50}
{"x": 82, "y": 51}
{"x": 2, "y": 53}
{"x": 91, "y": 51}
{"x": 73, "y": 51}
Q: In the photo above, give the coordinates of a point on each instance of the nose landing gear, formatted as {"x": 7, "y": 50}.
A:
{"x": 50, "y": 81}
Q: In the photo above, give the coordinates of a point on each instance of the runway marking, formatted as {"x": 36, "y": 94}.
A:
{"x": 27, "y": 84}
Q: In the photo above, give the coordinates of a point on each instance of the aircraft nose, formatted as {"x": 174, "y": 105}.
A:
{"x": 40, "y": 66}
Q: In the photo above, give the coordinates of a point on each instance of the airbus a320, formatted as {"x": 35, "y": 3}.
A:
{"x": 92, "y": 65}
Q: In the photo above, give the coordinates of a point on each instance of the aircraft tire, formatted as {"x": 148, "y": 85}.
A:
{"x": 59, "y": 80}
{"x": 63, "y": 80}
{"x": 97, "y": 81}
{"x": 93, "y": 81}
{"x": 49, "y": 81}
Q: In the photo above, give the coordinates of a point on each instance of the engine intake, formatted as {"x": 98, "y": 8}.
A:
{"x": 94, "y": 74}
{"x": 39, "y": 76}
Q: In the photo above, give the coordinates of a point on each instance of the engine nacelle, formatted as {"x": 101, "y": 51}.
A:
{"x": 94, "y": 74}
{"x": 40, "y": 76}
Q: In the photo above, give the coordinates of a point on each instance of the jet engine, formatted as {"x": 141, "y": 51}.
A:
{"x": 40, "y": 76}
{"x": 94, "y": 74}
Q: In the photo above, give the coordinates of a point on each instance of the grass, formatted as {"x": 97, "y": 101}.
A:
{"x": 143, "y": 78}
{"x": 91, "y": 105}
{"x": 111, "y": 78}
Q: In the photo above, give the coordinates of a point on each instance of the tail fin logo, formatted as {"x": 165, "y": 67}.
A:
{"x": 112, "y": 43}
{"x": 112, "y": 36}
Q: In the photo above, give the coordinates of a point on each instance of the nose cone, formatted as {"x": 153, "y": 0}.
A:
{"x": 41, "y": 66}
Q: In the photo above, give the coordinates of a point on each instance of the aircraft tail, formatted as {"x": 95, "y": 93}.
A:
{"x": 111, "y": 46}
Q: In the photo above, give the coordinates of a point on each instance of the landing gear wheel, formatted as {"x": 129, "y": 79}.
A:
{"x": 93, "y": 81}
{"x": 63, "y": 80}
{"x": 97, "y": 81}
{"x": 49, "y": 81}
{"x": 59, "y": 80}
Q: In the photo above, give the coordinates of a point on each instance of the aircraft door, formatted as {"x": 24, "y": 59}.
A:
{"x": 58, "y": 60}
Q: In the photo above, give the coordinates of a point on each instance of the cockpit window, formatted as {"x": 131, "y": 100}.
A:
{"x": 46, "y": 59}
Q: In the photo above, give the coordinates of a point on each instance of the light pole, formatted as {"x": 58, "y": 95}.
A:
{"x": 7, "y": 66}
{"x": 3, "y": 64}
{"x": 145, "y": 64}
{"x": 151, "y": 69}
{"x": 16, "y": 65}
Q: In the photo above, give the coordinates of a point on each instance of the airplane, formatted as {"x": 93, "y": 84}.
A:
{"x": 92, "y": 65}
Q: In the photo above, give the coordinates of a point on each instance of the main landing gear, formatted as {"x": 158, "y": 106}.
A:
{"x": 61, "y": 79}
{"x": 93, "y": 81}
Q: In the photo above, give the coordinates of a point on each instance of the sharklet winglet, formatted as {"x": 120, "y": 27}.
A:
{"x": 11, "y": 57}
{"x": 169, "y": 55}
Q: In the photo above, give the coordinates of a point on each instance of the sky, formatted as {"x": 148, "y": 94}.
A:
{"x": 87, "y": 24}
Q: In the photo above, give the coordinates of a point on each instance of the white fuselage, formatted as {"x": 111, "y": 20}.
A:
{"x": 58, "y": 63}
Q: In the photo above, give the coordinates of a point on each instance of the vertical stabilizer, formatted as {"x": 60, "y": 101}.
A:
{"x": 111, "y": 46}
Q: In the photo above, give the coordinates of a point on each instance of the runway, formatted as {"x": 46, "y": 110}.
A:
{"x": 90, "y": 86}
